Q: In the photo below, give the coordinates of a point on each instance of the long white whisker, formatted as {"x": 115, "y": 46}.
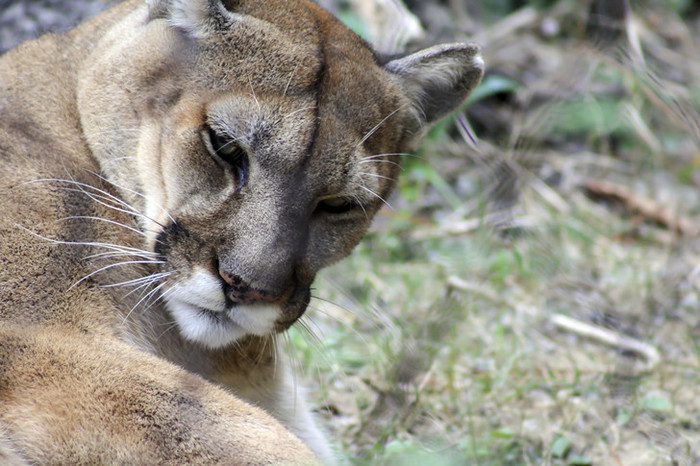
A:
{"x": 106, "y": 220}
{"x": 143, "y": 287}
{"x": 359, "y": 202}
{"x": 108, "y": 246}
{"x": 172, "y": 325}
{"x": 275, "y": 352}
{"x": 378, "y": 125}
{"x": 391, "y": 162}
{"x": 377, "y": 196}
{"x": 85, "y": 185}
{"x": 228, "y": 143}
{"x": 149, "y": 294}
{"x": 362, "y": 337}
{"x": 313, "y": 339}
{"x": 110, "y": 266}
{"x": 289, "y": 81}
{"x": 147, "y": 279}
{"x": 105, "y": 255}
{"x": 388, "y": 154}
{"x": 304, "y": 325}
{"x": 136, "y": 193}
{"x": 164, "y": 294}
{"x": 297, "y": 111}
{"x": 102, "y": 200}
{"x": 377, "y": 176}
{"x": 255, "y": 97}
{"x": 153, "y": 298}
{"x": 102, "y": 194}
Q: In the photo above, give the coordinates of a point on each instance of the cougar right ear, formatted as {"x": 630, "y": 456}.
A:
{"x": 198, "y": 18}
{"x": 438, "y": 79}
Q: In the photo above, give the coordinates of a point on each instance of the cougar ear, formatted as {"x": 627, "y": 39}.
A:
{"x": 198, "y": 18}
{"x": 439, "y": 79}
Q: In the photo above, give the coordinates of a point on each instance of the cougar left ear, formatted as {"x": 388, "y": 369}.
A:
{"x": 438, "y": 79}
{"x": 198, "y": 18}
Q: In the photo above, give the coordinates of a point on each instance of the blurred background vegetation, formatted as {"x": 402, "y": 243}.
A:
{"x": 532, "y": 294}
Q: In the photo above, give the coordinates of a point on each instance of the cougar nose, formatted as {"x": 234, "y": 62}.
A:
{"x": 240, "y": 292}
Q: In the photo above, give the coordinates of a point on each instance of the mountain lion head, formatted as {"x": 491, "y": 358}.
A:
{"x": 256, "y": 142}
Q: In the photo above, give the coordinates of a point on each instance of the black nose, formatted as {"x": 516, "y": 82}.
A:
{"x": 239, "y": 292}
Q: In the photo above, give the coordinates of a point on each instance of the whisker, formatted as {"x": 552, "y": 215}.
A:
{"x": 261, "y": 354}
{"x": 293, "y": 364}
{"x": 289, "y": 82}
{"x": 163, "y": 295}
{"x": 102, "y": 200}
{"x": 389, "y": 154}
{"x": 150, "y": 294}
{"x": 378, "y": 125}
{"x": 148, "y": 279}
{"x": 275, "y": 353}
{"x": 110, "y": 266}
{"x": 142, "y": 288}
{"x": 312, "y": 338}
{"x": 255, "y": 97}
{"x": 377, "y": 196}
{"x": 228, "y": 143}
{"x": 85, "y": 185}
{"x": 309, "y": 332}
{"x": 376, "y": 315}
{"x": 377, "y": 176}
{"x": 106, "y": 220}
{"x": 152, "y": 298}
{"x": 108, "y": 246}
{"x": 297, "y": 111}
{"x": 362, "y": 337}
{"x": 391, "y": 162}
{"x": 358, "y": 201}
{"x": 105, "y": 255}
{"x": 103, "y": 197}
{"x": 136, "y": 193}
{"x": 172, "y": 325}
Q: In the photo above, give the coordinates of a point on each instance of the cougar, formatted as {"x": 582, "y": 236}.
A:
{"x": 173, "y": 175}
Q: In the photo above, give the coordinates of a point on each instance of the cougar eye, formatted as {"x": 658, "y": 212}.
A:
{"x": 336, "y": 205}
{"x": 228, "y": 151}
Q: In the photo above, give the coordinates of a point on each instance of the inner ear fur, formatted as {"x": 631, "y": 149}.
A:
{"x": 199, "y": 18}
{"x": 439, "y": 79}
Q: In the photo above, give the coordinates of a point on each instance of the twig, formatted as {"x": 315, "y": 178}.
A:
{"x": 608, "y": 337}
{"x": 648, "y": 208}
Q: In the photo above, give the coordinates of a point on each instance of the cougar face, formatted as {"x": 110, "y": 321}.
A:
{"x": 263, "y": 152}
{"x": 283, "y": 187}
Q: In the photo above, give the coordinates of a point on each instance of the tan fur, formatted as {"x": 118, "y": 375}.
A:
{"x": 143, "y": 278}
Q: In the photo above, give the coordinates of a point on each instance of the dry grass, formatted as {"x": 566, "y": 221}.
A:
{"x": 441, "y": 341}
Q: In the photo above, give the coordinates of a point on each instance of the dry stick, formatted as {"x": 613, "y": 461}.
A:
{"x": 462, "y": 285}
{"x": 648, "y": 208}
{"x": 603, "y": 335}
{"x": 607, "y": 336}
